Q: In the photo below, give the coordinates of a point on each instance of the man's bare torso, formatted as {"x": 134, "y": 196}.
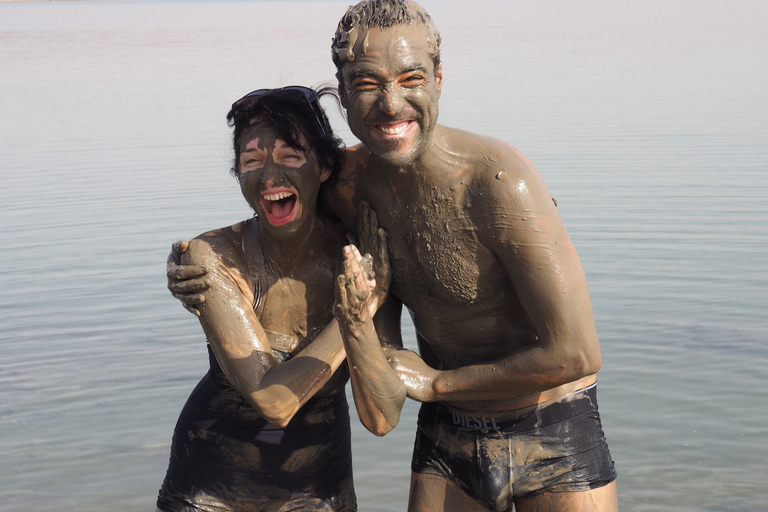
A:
{"x": 464, "y": 305}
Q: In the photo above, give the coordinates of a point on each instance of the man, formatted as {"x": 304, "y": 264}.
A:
{"x": 481, "y": 259}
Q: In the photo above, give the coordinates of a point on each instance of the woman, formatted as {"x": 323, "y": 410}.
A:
{"x": 267, "y": 429}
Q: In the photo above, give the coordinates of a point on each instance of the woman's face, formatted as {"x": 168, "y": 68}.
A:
{"x": 280, "y": 182}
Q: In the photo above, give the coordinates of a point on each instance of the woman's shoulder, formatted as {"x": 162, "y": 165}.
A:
{"x": 217, "y": 246}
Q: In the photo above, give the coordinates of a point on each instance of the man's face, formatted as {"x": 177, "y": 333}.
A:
{"x": 391, "y": 92}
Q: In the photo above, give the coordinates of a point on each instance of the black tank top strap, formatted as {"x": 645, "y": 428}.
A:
{"x": 255, "y": 260}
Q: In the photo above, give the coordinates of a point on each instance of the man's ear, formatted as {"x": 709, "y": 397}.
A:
{"x": 439, "y": 79}
{"x": 325, "y": 174}
{"x": 342, "y": 93}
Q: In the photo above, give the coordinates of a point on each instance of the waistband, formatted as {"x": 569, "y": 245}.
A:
{"x": 534, "y": 416}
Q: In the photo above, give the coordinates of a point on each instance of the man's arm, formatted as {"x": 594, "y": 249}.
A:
{"x": 517, "y": 220}
{"x": 186, "y": 282}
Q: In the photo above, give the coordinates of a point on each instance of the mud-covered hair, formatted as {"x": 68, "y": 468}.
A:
{"x": 380, "y": 14}
{"x": 291, "y": 118}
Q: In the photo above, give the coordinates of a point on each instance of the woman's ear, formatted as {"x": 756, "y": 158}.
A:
{"x": 325, "y": 174}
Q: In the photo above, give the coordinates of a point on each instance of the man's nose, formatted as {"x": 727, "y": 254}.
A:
{"x": 391, "y": 100}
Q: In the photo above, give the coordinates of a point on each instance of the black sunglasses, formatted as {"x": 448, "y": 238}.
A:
{"x": 293, "y": 93}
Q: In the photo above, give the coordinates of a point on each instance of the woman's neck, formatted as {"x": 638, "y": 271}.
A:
{"x": 286, "y": 254}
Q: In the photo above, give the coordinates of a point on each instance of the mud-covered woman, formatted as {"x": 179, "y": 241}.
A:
{"x": 267, "y": 428}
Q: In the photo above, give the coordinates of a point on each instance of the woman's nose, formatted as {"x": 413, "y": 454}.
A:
{"x": 270, "y": 173}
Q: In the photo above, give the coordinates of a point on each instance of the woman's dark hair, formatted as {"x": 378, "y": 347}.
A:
{"x": 291, "y": 116}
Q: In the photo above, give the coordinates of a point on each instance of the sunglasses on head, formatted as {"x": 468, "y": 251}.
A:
{"x": 291, "y": 92}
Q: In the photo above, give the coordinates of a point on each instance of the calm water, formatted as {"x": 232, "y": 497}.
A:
{"x": 649, "y": 123}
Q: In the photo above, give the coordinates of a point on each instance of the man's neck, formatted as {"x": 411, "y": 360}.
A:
{"x": 411, "y": 177}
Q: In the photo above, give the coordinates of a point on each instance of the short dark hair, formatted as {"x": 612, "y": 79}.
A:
{"x": 291, "y": 119}
{"x": 380, "y": 14}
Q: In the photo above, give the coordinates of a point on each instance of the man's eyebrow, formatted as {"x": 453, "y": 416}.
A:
{"x": 361, "y": 72}
{"x": 366, "y": 72}
{"x": 414, "y": 67}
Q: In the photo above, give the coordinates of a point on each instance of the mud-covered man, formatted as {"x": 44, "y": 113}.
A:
{"x": 481, "y": 259}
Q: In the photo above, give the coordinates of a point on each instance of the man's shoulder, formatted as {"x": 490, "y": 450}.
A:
{"x": 340, "y": 195}
{"x": 488, "y": 158}
{"x": 498, "y": 171}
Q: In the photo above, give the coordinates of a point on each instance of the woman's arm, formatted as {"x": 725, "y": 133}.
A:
{"x": 240, "y": 343}
{"x": 377, "y": 389}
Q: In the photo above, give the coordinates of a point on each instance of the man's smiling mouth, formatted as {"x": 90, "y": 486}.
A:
{"x": 393, "y": 129}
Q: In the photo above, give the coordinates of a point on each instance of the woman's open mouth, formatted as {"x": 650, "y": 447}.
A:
{"x": 280, "y": 205}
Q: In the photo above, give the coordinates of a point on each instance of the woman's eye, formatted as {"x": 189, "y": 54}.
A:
{"x": 291, "y": 157}
{"x": 251, "y": 164}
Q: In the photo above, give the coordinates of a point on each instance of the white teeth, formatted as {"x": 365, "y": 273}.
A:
{"x": 393, "y": 130}
{"x": 277, "y": 196}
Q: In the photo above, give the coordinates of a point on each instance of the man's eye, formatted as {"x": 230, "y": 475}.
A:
{"x": 364, "y": 85}
{"x": 412, "y": 80}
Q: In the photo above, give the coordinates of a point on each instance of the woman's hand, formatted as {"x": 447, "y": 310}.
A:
{"x": 355, "y": 299}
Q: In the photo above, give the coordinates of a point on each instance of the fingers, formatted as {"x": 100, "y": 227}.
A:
{"x": 367, "y": 265}
{"x": 191, "y": 309}
{"x": 190, "y": 301}
{"x": 366, "y": 225}
{"x": 185, "y": 285}
{"x": 179, "y": 247}
{"x": 359, "y": 270}
{"x": 342, "y": 305}
{"x": 383, "y": 244}
{"x": 177, "y": 272}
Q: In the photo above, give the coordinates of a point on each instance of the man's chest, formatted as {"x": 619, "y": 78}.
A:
{"x": 434, "y": 249}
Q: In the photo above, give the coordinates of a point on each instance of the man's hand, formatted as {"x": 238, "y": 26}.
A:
{"x": 373, "y": 242}
{"x": 355, "y": 299}
{"x": 417, "y": 376}
{"x": 186, "y": 282}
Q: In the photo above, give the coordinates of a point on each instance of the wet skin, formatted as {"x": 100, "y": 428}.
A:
{"x": 479, "y": 255}
{"x": 478, "y": 251}
{"x": 300, "y": 252}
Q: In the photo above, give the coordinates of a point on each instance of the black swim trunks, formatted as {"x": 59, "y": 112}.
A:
{"x": 555, "y": 446}
{"x": 226, "y": 457}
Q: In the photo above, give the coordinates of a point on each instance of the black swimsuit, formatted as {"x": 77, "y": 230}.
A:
{"x": 226, "y": 457}
{"x": 555, "y": 446}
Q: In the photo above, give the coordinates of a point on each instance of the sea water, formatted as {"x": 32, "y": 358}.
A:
{"x": 647, "y": 119}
